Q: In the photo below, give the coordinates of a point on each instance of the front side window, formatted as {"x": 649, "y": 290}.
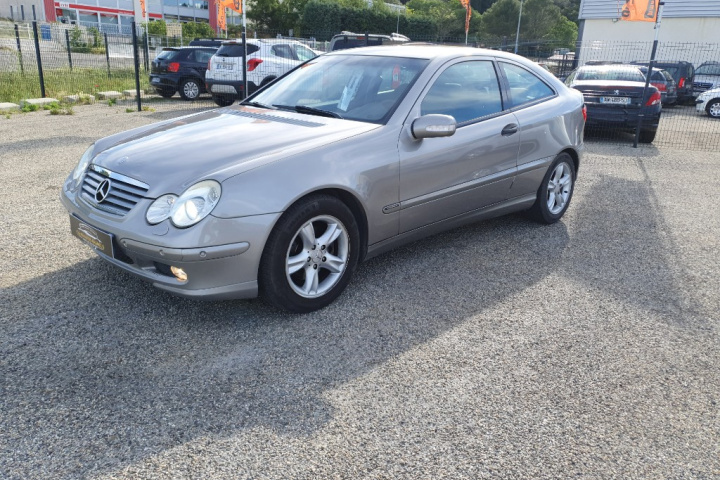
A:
{"x": 465, "y": 91}
{"x": 525, "y": 87}
{"x": 304, "y": 53}
{"x": 354, "y": 87}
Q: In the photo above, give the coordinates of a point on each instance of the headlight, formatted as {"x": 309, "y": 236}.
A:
{"x": 192, "y": 206}
{"x": 82, "y": 166}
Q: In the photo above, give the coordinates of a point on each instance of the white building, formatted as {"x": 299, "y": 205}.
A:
{"x": 689, "y": 31}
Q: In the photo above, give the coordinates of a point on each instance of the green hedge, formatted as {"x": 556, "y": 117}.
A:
{"x": 323, "y": 19}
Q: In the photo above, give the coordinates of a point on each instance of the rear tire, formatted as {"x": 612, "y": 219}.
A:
{"x": 647, "y": 136}
{"x": 555, "y": 192}
{"x": 189, "y": 89}
{"x": 223, "y": 100}
{"x": 310, "y": 255}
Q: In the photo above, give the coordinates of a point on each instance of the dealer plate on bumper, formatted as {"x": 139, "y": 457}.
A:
{"x": 92, "y": 236}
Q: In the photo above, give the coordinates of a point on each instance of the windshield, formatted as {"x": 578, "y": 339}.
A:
{"x": 708, "y": 70}
{"x": 624, "y": 74}
{"x": 354, "y": 87}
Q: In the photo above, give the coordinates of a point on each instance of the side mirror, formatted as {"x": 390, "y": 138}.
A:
{"x": 433, "y": 125}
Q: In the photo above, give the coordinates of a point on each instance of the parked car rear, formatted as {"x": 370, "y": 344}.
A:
{"x": 664, "y": 82}
{"x": 682, "y": 72}
{"x": 180, "y": 69}
{"x": 614, "y": 98}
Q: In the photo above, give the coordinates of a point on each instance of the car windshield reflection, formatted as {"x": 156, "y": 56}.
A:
{"x": 362, "y": 88}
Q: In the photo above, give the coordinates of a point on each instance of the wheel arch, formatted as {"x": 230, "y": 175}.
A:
{"x": 575, "y": 158}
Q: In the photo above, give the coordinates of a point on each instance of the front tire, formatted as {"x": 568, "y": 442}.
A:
{"x": 555, "y": 192}
{"x": 223, "y": 100}
{"x": 189, "y": 89}
{"x": 713, "y": 108}
{"x": 647, "y": 136}
{"x": 310, "y": 255}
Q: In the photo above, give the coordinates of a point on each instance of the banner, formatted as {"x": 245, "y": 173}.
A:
{"x": 232, "y": 4}
{"x": 468, "y": 14}
{"x": 639, "y": 10}
{"x": 221, "y": 19}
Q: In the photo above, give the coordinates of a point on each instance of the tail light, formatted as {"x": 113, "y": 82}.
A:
{"x": 584, "y": 112}
{"x": 654, "y": 99}
{"x": 173, "y": 67}
{"x": 681, "y": 83}
{"x": 209, "y": 66}
{"x": 253, "y": 63}
{"x": 660, "y": 86}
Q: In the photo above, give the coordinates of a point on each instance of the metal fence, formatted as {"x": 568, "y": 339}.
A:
{"x": 77, "y": 63}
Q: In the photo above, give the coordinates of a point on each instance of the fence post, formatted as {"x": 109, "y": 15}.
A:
{"x": 67, "y": 41}
{"x": 146, "y": 49}
{"x": 39, "y": 60}
{"x": 137, "y": 65}
{"x": 107, "y": 53}
{"x": 17, "y": 38}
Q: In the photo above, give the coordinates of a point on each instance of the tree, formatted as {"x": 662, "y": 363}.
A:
{"x": 539, "y": 17}
{"x": 501, "y": 19}
{"x": 449, "y": 16}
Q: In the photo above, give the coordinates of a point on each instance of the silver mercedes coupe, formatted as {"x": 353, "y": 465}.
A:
{"x": 343, "y": 158}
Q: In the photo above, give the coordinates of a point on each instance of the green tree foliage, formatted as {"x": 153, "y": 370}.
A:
{"x": 197, "y": 30}
{"x": 324, "y": 18}
{"x": 157, "y": 27}
{"x": 449, "y": 16}
{"x": 541, "y": 19}
{"x": 277, "y": 16}
{"x": 565, "y": 32}
{"x": 500, "y": 20}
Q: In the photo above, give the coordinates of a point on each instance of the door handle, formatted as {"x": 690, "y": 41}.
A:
{"x": 509, "y": 130}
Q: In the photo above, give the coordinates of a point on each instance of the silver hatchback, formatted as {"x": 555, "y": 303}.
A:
{"x": 345, "y": 157}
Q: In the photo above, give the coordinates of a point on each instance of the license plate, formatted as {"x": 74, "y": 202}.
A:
{"x": 615, "y": 100}
{"x": 224, "y": 66}
{"x": 97, "y": 239}
{"x": 155, "y": 80}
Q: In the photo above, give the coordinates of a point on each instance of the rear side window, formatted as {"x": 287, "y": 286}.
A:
{"x": 201, "y": 56}
{"x": 525, "y": 87}
{"x": 341, "y": 43}
{"x": 236, "y": 50}
{"x": 283, "y": 51}
{"x": 168, "y": 54}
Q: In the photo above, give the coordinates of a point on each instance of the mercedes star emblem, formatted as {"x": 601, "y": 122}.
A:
{"x": 102, "y": 191}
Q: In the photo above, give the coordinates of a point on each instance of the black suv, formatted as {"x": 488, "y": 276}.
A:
{"x": 682, "y": 72}
{"x": 181, "y": 69}
{"x": 353, "y": 40}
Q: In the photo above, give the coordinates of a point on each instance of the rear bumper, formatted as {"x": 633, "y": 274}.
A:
{"x": 226, "y": 87}
{"x": 621, "y": 118}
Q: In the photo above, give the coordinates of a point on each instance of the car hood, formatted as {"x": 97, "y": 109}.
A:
{"x": 170, "y": 156}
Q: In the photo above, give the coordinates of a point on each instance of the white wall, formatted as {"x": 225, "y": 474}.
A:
{"x": 694, "y": 40}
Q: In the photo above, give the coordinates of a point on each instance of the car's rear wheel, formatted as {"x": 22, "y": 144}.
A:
{"x": 310, "y": 255}
{"x": 713, "y": 108}
{"x": 223, "y": 100}
{"x": 647, "y": 136}
{"x": 189, "y": 89}
{"x": 555, "y": 192}
{"x": 267, "y": 80}
{"x": 165, "y": 92}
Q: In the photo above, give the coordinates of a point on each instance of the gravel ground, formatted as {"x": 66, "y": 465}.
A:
{"x": 505, "y": 349}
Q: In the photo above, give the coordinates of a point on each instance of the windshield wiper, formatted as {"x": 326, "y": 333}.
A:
{"x": 258, "y": 104}
{"x": 309, "y": 110}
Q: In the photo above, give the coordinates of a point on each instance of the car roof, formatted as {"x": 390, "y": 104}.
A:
{"x": 424, "y": 51}
{"x": 193, "y": 47}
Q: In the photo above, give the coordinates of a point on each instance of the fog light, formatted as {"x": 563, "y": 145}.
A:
{"x": 179, "y": 273}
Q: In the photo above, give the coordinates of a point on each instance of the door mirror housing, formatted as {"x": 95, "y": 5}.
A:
{"x": 433, "y": 125}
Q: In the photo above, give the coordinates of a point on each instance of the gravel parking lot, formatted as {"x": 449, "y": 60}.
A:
{"x": 586, "y": 349}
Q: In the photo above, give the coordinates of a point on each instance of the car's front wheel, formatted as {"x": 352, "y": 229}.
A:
{"x": 647, "y": 136}
{"x": 555, "y": 192}
{"x": 310, "y": 255}
{"x": 223, "y": 100}
{"x": 713, "y": 108}
{"x": 190, "y": 89}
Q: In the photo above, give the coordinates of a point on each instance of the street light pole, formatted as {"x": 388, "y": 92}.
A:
{"x": 517, "y": 34}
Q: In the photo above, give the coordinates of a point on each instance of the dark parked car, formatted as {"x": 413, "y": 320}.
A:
{"x": 207, "y": 42}
{"x": 707, "y": 77}
{"x": 347, "y": 40}
{"x": 664, "y": 82}
{"x": 181, "y": 69}
{"x": 614, "y": 98}
{"x": 682, "y": 72}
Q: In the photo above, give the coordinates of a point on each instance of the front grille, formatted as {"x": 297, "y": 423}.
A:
{"x": 122, "y": 195}
{"x": 702, "y": 85}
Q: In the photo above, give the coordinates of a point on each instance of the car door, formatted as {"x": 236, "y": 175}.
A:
{"x": 473, "y": 168}
{"x": 541, "y": 134}
{"x": 198, "y": 60}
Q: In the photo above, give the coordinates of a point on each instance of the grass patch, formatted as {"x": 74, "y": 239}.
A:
{"x": 15, "y": 86}
{"x": 28, "y": 107}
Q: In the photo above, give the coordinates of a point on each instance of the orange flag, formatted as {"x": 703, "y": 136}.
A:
{"x": 468, "y": 14}
{"x": 221, "y": 19}
{"x": 232, "y": 5}
{"x": 639, "y": 10}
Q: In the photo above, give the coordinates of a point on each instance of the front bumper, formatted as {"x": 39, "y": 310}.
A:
{"x": 221, "y": 257}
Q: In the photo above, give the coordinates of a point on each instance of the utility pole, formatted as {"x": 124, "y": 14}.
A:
{"x": 517, "y": 35}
